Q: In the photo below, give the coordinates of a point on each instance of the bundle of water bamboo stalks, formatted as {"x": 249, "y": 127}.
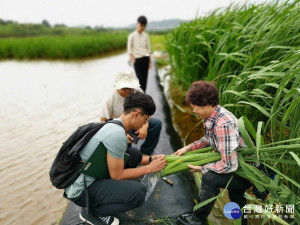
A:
{"x": 269, "y": 155}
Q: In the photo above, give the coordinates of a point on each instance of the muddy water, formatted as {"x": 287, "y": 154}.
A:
{"x": 41, "y": 102}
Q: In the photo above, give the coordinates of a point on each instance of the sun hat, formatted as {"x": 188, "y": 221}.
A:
{"x": 127, "y": 80}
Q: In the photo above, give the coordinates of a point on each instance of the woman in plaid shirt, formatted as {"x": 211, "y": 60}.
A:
{"x": 222, "y": 133}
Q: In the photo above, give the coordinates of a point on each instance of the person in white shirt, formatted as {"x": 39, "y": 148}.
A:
{"x": 138, "y": 47}
{"x": 113, "y": 107}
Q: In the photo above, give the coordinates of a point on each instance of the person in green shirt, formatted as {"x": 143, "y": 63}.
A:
{"x": 108, "y": 197}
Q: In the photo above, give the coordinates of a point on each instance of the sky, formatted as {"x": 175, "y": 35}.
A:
{"x": 108, "y": 13}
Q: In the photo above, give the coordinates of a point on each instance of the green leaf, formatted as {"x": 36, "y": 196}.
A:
{"x": 201, "y": 204}
{"x": 284, "y": 176}
{"x": 245, "y": 135}
{"x": 295, "y": 157}
{"x": 257, "y": 106}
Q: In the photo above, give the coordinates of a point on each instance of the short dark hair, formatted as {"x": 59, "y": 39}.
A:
{"x": 137, "y": 99}
{"x": 203, "y": 93}
{"x": 142, "y": 20}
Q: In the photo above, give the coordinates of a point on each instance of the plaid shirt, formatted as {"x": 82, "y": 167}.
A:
{"x": 222, "y": 133}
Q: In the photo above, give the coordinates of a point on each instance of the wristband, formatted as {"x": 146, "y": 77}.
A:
{"x": 150, "y": 159}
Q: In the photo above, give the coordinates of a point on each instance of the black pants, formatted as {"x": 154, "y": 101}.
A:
{"x": 152, "y": 138}
{"x": 236, "y": 188}
{"x": 141, "y": 67}
{"x": 134, "y": 159}
{"x": 108, "y": 197}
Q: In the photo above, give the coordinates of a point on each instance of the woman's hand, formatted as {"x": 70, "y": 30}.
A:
{"x": 182, "y": 150}
{"x": 195, "y": 168}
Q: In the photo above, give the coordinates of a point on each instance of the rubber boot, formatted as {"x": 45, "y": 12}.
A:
{"x": 199, "y": 217}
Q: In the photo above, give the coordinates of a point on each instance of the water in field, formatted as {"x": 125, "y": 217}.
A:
{"x": 41, "y": 103}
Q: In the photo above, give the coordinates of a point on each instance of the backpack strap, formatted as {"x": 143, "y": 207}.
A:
{"x": 87, "y": 200}
{"x": 116, "y": 122}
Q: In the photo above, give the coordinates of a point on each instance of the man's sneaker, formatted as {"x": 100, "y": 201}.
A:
{"x": 101, "y": 220}
{"x": 192, "y": 219}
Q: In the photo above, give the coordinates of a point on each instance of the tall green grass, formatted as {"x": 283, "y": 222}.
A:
{"x": 62, "y": 47}
{"x": 230, "y": 41}
{"x": 253, "y": 55}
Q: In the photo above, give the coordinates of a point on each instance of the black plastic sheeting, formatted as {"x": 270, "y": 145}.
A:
{"x": 166, "y": 201}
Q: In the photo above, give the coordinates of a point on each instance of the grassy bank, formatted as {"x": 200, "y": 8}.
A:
{"x": 158, "y": 47}
{"x": 13, "y": 29}
{"x": 158, "y": 42}
{"x": 62, "y": 47}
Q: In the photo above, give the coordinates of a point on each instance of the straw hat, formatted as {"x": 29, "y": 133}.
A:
{"x": 127, "y": 80}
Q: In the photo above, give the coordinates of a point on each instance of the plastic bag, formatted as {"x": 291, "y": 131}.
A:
{"x": 150, "y": 181}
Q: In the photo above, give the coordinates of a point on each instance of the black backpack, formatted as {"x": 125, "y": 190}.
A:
{"x": 66, "y": 166}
